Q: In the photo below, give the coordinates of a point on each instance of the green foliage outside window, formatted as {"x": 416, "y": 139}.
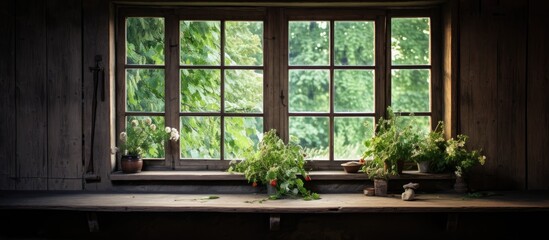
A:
{"x": 200, "y": 91}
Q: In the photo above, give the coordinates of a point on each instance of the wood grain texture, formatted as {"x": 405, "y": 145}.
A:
{"x": 65, "y": 184}
{"x": 248, "y": 203}
{"x": 291, "y": 3}
{"x": 7, "y": 97}
{"x": 478, "y": 83}
{"x": 96, "y": 31}
{"x": 491, "y": 91}
{"x": 511, "y": 100}
{"x": 31, "y": 97}
{"x": 64, "y": 58}
{"x": 450, "y": 67}
{"x": 537, "y": 98}
{"x": 219, "y": 175}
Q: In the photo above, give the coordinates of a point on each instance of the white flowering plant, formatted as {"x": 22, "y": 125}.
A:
{"x": 142, "y": 137}
{"x": 461, "y": 158}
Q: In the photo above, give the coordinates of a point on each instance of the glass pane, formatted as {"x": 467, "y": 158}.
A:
{"x": 145, "y": 90}
{"x": 421, "y": 124}
{"x": 200, "y": 137}
{"x": 309, "y": 43}
{"x": 410, "y": 90}
{"x": 309, "y": 91}
{"x": 244, "y": 91}
{"x": 354, "y": 90}
{"x": 200, "y": 42}
{"x": 349, "y": 136}
{"x": 313, "y": 134}
{"x": 152, "y": 145}
{"x": 354, "y": 43}
{"x": 242, "y": 134}
{"x": 244, "y": 43}
{"x": 200, "y": 90}
{"x": 145, "y": 40}
{"x": 410, "y": 41}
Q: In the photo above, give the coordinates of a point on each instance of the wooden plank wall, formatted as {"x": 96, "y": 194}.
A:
{"x": 41, "y": 95}
{"x": 492, "y": 88}
{"x": 95, "y": 21}
{"x": 7, "y": 96}
{"x": 31, "y": 95}
{"x": 537, "y": 140}
{"x": 64, "y": 56}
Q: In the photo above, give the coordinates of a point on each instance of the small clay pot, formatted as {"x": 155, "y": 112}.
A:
{"x": 131, "y": 163}
{"x": 369, "y": 191}
{"x": 380, "y": 186}
{"x": 351, "y": 167}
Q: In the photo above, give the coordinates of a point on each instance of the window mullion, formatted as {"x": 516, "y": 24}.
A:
{"x": 332, "y": 88}
{"x": 172, "y": 85}
{"x": 381, "y": 67}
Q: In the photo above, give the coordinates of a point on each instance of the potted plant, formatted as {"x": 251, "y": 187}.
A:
{"x": 140, "y": 137}
{"x": 430, "y": 151}
{"x": 379, "y": 174}
{"x": 392, "y": 144}
{"x": 276, "y": 165}
{"x": 462, "y": 160}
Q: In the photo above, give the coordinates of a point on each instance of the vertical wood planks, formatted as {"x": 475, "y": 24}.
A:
{"x": 511, "y": 111}
{"x": 492, "y": 88}
{"x": 537, "y": 140}
{"x": 7, "y": 97}
{"x": 64, "y": 92}
{"x": 30, "y": 95}
{"x": 95, "y": 32}
{"x": 478, "y": 83}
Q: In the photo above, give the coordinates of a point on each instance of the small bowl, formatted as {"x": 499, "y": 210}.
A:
{"x": 369, "y": 191}
{"x": 351, "y": 167}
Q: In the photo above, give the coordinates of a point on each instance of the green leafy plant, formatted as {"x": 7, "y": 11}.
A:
{"x": 278, "y": 165}
{"x": 431, "y": 148}
{"x": 392, "y": 143}
{"x": 461, "y": 159}
{"x": 375, "y": 170}
{"x": 143, "y": 136}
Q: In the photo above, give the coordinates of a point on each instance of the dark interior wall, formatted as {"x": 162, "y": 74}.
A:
{"x": 46, "y": 90}
{"x": 492, "y": 84}
{"x": 41, "y": 146}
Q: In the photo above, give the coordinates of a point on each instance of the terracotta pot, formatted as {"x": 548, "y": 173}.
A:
{"x": 460, "y": 186}
{"x": 131, "y": 163}
{"x": 380, "y": 186}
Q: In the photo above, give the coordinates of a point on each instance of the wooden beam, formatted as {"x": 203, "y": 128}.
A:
{"x": 450, "y": 68}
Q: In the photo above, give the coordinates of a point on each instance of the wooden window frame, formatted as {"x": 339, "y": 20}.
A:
{"x": 275, "y": 68}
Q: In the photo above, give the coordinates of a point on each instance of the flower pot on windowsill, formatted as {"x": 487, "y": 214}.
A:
{"x": 380, "y": 186}
{"x": 423, "y": 167}
{"x": 131, "y": 163}
{"x": 460, "y": 186}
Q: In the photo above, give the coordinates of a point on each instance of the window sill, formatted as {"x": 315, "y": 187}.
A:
{"x": 224, "y": 176}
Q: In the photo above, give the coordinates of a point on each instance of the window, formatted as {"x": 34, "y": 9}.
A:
{"x": 223, "y": 76}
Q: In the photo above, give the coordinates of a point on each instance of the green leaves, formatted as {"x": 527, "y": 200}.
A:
{"x": 275, "y": 161}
